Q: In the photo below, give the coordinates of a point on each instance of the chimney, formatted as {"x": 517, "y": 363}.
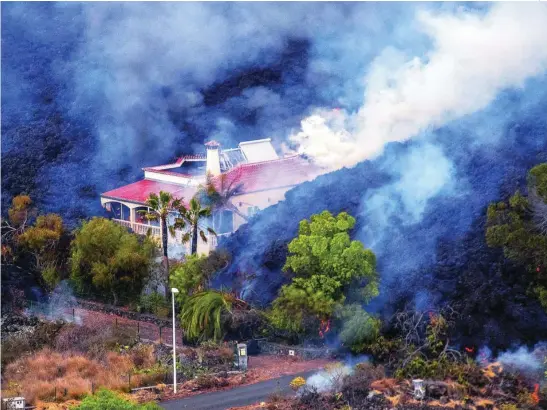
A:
{"x": 213, "y": 158}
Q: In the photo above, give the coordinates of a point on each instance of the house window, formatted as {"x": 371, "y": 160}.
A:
{"x": 223, "y": 222}
{"x": 119, "y": 211}
{"x": 140, "y": 217}
{"x": 252, "y": 210}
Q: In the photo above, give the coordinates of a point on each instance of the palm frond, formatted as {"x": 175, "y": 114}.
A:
{"x": 186, "y": 237}
{"x": 165, "y": 199}
{"x": 201, "y": 315}
{"x": 172, "y": 230}
{"x": 203, "y": 236}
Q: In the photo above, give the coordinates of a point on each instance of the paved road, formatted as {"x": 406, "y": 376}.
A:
{"x": 239, "y": 396}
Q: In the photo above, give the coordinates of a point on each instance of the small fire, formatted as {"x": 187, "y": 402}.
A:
{"x": 535, "y": 394}
{"x": 538, "y": 269}
{"x": 324, "y": 327}
{"x": 469, "y": 349}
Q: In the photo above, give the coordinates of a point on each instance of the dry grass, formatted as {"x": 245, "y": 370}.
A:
{"x": 48, "y": 375}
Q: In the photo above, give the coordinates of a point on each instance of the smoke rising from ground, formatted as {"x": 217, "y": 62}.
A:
{"x": 474, "y": 57}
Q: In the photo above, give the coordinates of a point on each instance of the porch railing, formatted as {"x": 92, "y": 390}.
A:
{"x": 138, "y": 228}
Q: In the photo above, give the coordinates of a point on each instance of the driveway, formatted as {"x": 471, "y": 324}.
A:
{"x": 238, "y": 396}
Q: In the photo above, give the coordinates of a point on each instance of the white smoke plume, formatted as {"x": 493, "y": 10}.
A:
{"x": 330, "y": 379}
{"x": 525, "y": 360}
{"x": 474, "y": 56}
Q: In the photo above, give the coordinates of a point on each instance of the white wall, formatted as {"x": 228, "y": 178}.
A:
{"x": 174, "y": 179}
{"x": 260, "y": 199}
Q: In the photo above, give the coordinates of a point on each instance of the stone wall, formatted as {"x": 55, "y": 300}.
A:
{"x": 98, "y": 307}
{"x": 307, "y": 353}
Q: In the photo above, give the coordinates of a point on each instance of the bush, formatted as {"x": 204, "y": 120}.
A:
{"x": 22, "y": 343}
{"x": 206, "y": 381}
{"x": 72, "y": 375}
{"x": 359, "y": 328}
{"x": 466, "y": 373}
{"x": 356, "y": 386}
{"x": 94, "y": 339}
{"x": 107, "y": 400}
{"x": 143, "y": 356}
{"x": 155, "y": 303}
{"x": 297, "y": 383}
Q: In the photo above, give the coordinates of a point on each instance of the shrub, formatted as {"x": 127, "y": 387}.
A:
{"x": 107, "y": 400}
{"x": 297, "y": 383}
{"x": 71, "y": 375}
{"x": 356, "y": 386}
{"x": 207, "y": 381}
{"x": 143, "y": 356}
{"x": 22, "y": 343}
{"x": 94, "y": 339}
{"x": 466, "y": 373}
{"x": 155, "y": 303}
{"x": 359, "y": 328}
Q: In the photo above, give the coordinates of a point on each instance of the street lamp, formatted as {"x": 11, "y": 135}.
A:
{"x": 173, "y": 291}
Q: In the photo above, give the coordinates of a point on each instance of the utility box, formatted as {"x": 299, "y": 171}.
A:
{"x": 242, "y": 356}
{"x": 13, "y": 403}
{"x": 419, "y": 389}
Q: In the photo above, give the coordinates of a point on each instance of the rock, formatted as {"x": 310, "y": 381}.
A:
{"x": 443, "y": 400}
{"x": 437, "y": 390}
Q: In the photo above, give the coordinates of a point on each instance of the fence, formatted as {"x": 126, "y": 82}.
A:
{"x": 61, "y": 394}
{"x": 145, "y": 327}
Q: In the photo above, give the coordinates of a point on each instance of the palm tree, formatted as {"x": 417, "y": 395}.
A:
{"x": 193, "y": 215}
{"x": 201, "y": 315}
{"x": 160, "y": 206}
{"x": 219, "y": 192}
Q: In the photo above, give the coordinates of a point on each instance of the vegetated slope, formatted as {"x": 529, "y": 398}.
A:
{"x": 436, "y": 255}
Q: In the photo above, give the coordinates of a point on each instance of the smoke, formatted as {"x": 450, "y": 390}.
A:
{"x": 59, "y": 305}
{"x": 474, "y": 57}
{"x": 524, "y": 360}
{"x": 92, "y": 93}
{"x": 329, "y": 379}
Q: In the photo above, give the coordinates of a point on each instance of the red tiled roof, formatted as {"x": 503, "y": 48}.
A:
{"x": 269, "y": 174}
{"x": 139, "y": 191}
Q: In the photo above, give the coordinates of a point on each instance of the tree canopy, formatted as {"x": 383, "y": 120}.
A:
{"x": 195, "y": 273}
{"x": 193, "y": 216}
{"x": 106, "y": 257}
{"x": 324, "y": 262}
{"x": 160, "y": 206}
{"x": 519, "y": 226}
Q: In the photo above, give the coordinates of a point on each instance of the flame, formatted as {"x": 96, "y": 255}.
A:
{"x": 535, "y": 394}
{"x": 538, "y": 269}
{"x": 324, "y": 327}
{"x": 493, "y": 370}
{"x": 469, "y": 349}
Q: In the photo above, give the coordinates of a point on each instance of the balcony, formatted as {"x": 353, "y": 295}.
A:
{"x": 140, "y": 229}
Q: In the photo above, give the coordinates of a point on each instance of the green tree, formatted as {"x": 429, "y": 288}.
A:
{"x": 325, "y": 263}
{"x": 20, "y": 215}
{"x": 106, "y": 257}
{"x": 42, "y": 240}
{"x": 160, "y": 207}
{"x": 194, "y": 216}
{"x": 201, "y": 315}
{"x": 195, "y": 273}
{"x": 108, "y": 400}
{"x": 519, "y": 226}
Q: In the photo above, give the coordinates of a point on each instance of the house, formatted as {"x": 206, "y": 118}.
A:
{"x": 253, "y": 170}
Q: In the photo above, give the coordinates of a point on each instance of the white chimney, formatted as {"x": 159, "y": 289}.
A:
{"x": 213, "y": 158}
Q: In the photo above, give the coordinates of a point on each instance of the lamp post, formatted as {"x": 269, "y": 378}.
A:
{"x": 173, "y": 291}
